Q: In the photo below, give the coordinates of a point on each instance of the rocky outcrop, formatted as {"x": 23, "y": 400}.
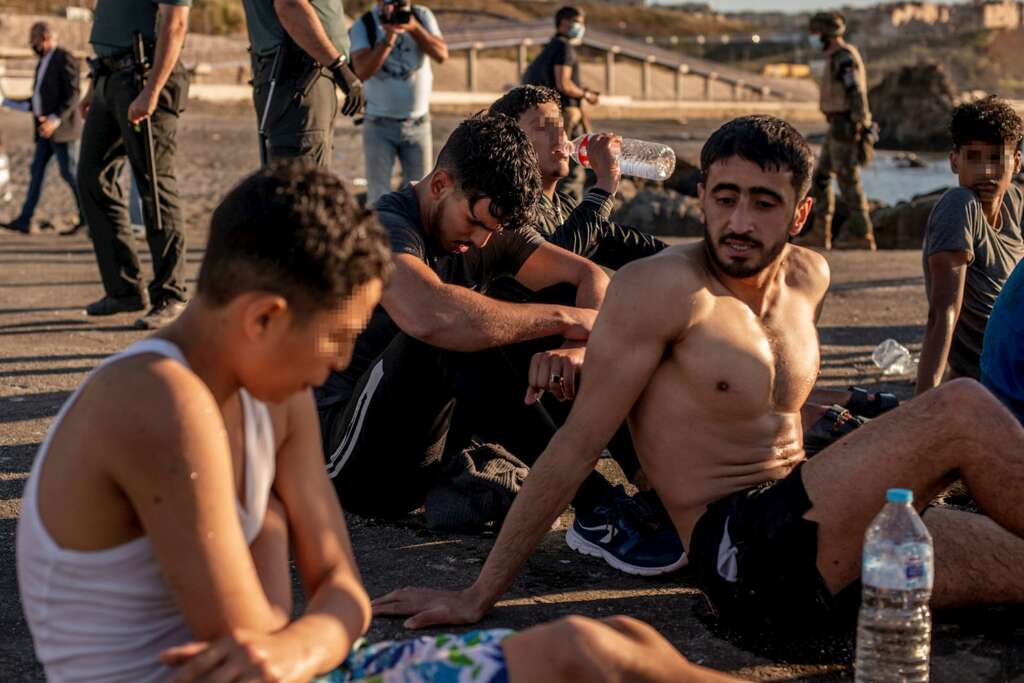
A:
{"x": 903, "y": 226}
{"x": 912, "y": 106}
{"x": 684, "y": 178}
{"x": 661, "y": 212}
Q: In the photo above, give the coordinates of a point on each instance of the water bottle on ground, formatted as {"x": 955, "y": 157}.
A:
{"x": 893, "y": 358}
{"x": 895, "y": 625}
{"x": 638, "y": 158}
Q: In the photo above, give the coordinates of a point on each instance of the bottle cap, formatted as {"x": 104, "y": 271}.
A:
{"x": 899, "y": 496}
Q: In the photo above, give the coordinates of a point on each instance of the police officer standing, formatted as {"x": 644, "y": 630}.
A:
{"x": 300, "y": 52}
{"x": 117, "y": 107}
{"x": 849, "y": 142}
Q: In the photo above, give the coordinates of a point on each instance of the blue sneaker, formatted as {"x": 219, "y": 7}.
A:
{"x": 630, "y": 533}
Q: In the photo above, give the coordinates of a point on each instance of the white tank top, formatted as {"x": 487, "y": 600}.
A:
{"x": 106, "y": 615}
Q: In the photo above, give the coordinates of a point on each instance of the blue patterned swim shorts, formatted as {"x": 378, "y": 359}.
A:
{"x": 474, "y": 657}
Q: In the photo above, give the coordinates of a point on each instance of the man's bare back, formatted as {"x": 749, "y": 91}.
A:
{"x": 732, "y": 386}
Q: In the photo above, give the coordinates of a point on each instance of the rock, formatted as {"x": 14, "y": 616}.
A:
{"x": 662, "y": 212}
{"x": 903, "y": 226}
{"x": 684, "y": 178}
{"x": 908, "y": 160}
{"x": 912, "y": 105}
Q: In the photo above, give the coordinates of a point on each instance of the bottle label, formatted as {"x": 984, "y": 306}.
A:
{"x": 581, "y": 153}
{"x": 904, "y": 566}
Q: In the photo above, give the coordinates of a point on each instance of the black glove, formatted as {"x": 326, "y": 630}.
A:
{"x": 350, "y": 84}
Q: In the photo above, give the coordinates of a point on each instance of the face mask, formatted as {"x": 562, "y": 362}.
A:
{"x": 576, "y": 31}
{"x": 816, "y": 41}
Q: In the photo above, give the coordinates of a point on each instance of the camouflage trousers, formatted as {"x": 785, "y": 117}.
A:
{"x": 839, "y": 157}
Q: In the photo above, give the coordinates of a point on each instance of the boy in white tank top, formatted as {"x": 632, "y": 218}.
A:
{"x": 154, "y": 542}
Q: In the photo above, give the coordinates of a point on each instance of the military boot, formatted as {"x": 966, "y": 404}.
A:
{"x": 857, "y": 233}
{"x": 818, "y": 235}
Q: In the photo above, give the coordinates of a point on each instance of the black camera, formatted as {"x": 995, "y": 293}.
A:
{"x": 396, "y": 12}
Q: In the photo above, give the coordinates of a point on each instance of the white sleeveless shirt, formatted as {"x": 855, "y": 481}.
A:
{"x": 106, "y": 615}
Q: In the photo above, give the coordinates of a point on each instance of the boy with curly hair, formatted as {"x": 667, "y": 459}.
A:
{"x": 973, "y": 239}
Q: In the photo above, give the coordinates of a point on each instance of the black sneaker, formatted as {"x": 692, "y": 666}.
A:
{"x": 628, "y": 534}
{"x": 163, "y": 312}
{"x": 110, "y": 305}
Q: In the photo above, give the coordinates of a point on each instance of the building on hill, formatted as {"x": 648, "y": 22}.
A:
{"x": 890, "y": 21}
{"x": 988, "y": 15}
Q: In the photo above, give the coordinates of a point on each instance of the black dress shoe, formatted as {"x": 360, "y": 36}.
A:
{"x": 162, "y": 313}
{"x": 18, "y": 226}
{"x": 110, "y": 305}
{"x": 73, "y": 230}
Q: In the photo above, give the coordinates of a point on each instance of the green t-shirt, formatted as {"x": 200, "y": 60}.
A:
{"x": 266, "y": 32}
{"x": 116, "y": 20}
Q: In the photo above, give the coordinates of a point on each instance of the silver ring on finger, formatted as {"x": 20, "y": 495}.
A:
{"x": 555, "y": 379}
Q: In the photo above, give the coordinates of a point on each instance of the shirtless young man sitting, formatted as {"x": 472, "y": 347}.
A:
{"x": 711, "y": 350}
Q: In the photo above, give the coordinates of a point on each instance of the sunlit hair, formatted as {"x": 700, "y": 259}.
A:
{"x": 490, "y": 157}
{"x": 767, "y": 141}
{"x": 990, "y": 120}
{"x": 293, "y": 229}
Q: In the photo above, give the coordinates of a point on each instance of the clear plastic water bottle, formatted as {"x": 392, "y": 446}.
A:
{"x": 895, "y": 626}
{"x": 638, "y": 158}
{"x": 893, "y": 358}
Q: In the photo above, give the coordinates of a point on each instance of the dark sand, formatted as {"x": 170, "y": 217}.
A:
{"x": 47, "y": 346}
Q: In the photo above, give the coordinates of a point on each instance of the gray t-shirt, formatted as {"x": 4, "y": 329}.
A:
{"x": 401, "y": 87}
{"x": 958, "y": 223}
{"x": 399, "y": 213}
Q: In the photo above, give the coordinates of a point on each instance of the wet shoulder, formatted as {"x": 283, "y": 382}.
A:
{"x": 806, "y": 269}
{"x": 677, "y": 274}
{"x": 157, "y": 385}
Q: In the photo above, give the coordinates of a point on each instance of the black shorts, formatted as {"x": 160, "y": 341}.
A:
{"x": 756, "y": 559}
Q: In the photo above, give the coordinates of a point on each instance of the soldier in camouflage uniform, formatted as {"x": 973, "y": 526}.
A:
{"x": 844, "y": 101}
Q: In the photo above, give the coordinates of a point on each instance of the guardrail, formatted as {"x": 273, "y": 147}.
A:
{"x": 523, "y": 35}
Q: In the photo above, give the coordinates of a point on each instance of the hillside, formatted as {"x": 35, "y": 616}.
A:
{"x": 226, "y": 16}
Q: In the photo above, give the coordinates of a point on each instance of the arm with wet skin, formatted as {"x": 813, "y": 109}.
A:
{"x": 948, "y": 270}
{"x": 338, "y": 610}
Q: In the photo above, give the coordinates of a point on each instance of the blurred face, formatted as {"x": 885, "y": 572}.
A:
{"x": 985, "y": 168}
{"x": 749, "y": 215}
{"x": 294, "y": 354}
{"x": 543, "y": 125}
{"x": 453, "y": 221}
{"x": 40, "y": 41}
{"x": 573, "y": 27}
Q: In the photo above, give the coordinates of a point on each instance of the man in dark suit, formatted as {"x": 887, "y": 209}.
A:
{"x": 54, "y": 108}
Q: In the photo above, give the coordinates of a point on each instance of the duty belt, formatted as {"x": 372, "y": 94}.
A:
{"x": 117, "y": 62}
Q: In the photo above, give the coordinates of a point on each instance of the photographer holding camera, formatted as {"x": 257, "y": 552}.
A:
{"x": 392, "y": 45}
{"x": 299, "y": 54}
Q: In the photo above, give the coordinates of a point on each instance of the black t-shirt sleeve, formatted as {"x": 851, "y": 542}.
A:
{"x": 504, "y": 255}
{"x": 563, "y": 54}
{"x": 405, "y": 237}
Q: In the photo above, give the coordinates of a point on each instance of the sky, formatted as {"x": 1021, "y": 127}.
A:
{"x": 790, "y": 5}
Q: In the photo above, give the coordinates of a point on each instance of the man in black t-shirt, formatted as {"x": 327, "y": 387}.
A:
{"x": 385, "y": 419}
{"x": 557, "y": 67}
